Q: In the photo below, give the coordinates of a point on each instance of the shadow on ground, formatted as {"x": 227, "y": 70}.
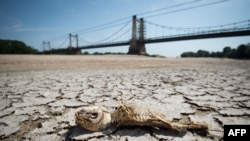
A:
{"x": 78, "y": 133}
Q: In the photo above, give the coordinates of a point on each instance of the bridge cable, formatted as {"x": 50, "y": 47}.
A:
{"x": 122, "y": 35}
{"x": 63, "y": 43}
{"x": 188, "y": 8}
{"x": 119, "y": 30}
{"x": 244, "y": 23}
{"x": 102, "y": 26}
{"x": 169, "y": 7}
{"x": 84, "y": 40}
{"x": 125, "y": 18}
{"x": 144, "y": 13}
{"x": 94, "y": 30}
{"x": 217, "y": 28}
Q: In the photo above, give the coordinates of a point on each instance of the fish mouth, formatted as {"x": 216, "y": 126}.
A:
{"x": 87, "y": 115}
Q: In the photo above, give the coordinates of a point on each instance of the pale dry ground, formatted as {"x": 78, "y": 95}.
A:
{"x": 68, "y": 62}
{"x": 40, "y": 94}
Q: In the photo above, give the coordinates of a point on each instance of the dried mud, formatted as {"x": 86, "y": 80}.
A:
{"x": 40, "y": 94}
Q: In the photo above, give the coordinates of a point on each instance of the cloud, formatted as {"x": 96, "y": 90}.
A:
{"x": 13, "y": 24}
{"x": 30, "y": 29}
{"x": 22, "y": 28}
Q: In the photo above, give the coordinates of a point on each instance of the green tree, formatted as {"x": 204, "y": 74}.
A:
{"x": 202, "y": 53}
{"x": 188, "y": 54}
{"x": 85, "y": 53}
{"x": 226, "y": 51}
{"x": 243, "y": 51}
{"x": 233, "y": 53}
{"x": 98, "y": 53}
{"x": 15, "y": 47}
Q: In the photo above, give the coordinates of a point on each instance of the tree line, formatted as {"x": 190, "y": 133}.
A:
{"x": 15, "y": 47}
{"x": 241, "y": 52}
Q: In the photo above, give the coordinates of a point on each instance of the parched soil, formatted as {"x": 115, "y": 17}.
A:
{"x": 39, "y": 94}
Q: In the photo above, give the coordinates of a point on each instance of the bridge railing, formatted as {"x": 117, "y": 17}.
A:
{"x": 203, "y": 32}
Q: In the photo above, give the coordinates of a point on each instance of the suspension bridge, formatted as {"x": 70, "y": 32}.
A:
{"x": 136, "y": 33}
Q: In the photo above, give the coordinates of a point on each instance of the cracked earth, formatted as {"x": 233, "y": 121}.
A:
{"x": 39, "y": 96}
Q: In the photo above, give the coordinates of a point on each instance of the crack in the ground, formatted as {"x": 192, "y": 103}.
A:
{"x": 25, "y": 127}
{"x": 179, "y": 93}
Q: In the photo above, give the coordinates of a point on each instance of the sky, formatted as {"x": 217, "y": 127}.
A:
{"x": 35, "y": 21}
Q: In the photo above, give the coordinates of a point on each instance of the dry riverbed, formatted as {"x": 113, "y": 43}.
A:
{"x": 40, "y": 94}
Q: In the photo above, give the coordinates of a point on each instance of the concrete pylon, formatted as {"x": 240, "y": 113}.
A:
{"x": 137, "y": 46}
{"x": 70, "y": 41}
{"x": 72, "y": 50}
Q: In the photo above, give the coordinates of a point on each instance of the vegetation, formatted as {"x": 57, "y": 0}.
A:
{"x": 15, "y": 47}
{"x": 105, "y": 53}
{"x": 119, "y": 53}
{"x": 242, "y": 52}
{"x": 155, "y": 55}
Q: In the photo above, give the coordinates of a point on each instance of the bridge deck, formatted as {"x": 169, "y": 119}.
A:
{"x": 205, "y": 35}
{"x": 194, "y": 36}
{"x": 199, "y": 36}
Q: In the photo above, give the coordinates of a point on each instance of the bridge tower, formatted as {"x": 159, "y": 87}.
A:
{"x": 72, "y": 50}
{"x": 70, "y": 40}
{"x": 137, "y": 45}
{"x": 46, "y": 45}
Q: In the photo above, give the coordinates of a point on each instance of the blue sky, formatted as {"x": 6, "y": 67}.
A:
{"x": 35, "y": 21}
